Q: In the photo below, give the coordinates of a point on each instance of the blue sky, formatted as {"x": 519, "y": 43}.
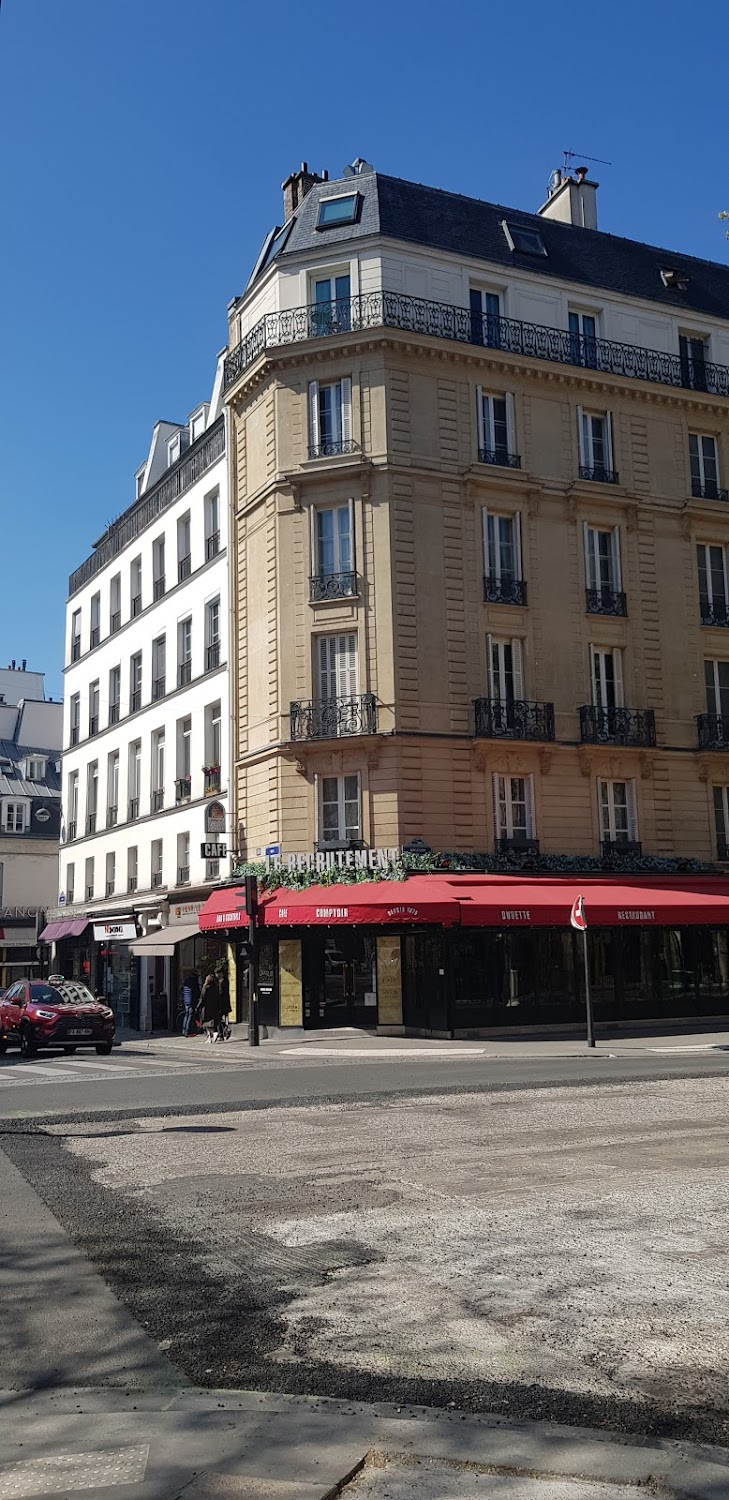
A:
{"x": 143, "y": 148}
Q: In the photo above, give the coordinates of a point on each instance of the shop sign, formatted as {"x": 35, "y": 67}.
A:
{"x": 115, "y": 932}
{"x": 213, "y": 851}
{"x": 335, "y": 859}
{"x": 636, "y": 916}
{"x": 185, "y": 911}
{"x": 10, "y": 914}
{"x": 518, "y": 914}
{"x": 215, "y": 818}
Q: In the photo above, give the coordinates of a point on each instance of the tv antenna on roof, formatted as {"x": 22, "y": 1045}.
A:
{"x": 572, "y": 156}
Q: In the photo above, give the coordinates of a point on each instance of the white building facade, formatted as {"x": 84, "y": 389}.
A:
{"x": 145, "y": 777}
{"x": 30, "y": 806}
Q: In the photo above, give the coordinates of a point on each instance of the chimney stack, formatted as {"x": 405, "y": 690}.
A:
{"x": 296, "y": 187}
{"x": 572, "y": 200}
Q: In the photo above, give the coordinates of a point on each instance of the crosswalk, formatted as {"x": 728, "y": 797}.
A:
{"x": 49, "y": 1068}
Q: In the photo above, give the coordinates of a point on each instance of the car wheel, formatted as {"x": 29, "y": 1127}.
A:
{"x": 27, "y": 1044}
{"x": 104, "y": 1049}
{"x": 69, "y": 1049}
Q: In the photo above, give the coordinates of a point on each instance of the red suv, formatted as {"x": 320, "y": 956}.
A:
{"x": 55, "y": 1012}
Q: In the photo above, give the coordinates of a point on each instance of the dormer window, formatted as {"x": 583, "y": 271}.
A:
{"x": 335, "y": 211}
{"x": 174, "y": 448}
{"x": 36, "y": 770}
{"x": 139, "y": 482}
{"x": 197, "y": 423}
{"x": 523, "y": 239}
{"x": 673, "y": 278}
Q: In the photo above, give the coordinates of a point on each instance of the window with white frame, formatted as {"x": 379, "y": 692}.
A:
{"x": 496, "y": 426}
{"x": 75, "y": 718}
{"x": 716, "y": 678}
{"x": 197, "y": 423}
{"x": 159, "y": 581}
{"x": 212, "y": 635}
{"x": 503, "y": 582}
{"x": 693, "y": 351}
{"x": 132, "y": 868}
{"x": 135, "y": 585}
{"x": 134, "y": 779}
{"x": 110, "y": 881}
{"x": 36, "y": 770}
{"x": 139, "y": 481}
{"x": 616, "y": 802}
{"x": 156, "y": 857}
{"x": 184, "y": 559}
{"x": 115, "y": 604}
{"x": 606, "y": 673}
{"x": 583, "y": 338}
{"x": 721, "y": 821}
{"x": 15, "y": 816}
{"x": 336, "y": 666}
{"x": 70, "y": 873}
{"x": 212, "y": 869}
{"x": 505, "y": 669}
{"x": 213, "y": 739}
{"x": 92, "y": 796}
{"x": 158, "y": 770}
{"x": 73, "y": 786}
{"x": 184, "y": 759}
{"x": 704, "y": 463}
{"x": 340, "y": 818}
{"x": 95, "y": 635}
{"x": 174, "y": 448}
{"x": 112, "y": 789}
{"x": 114, "y": 695}
{"x": 135, "y": 682}
{"x": 603, "y": 577}
{"x": 212, "y": 525}
{"x": 486, "y": 313}
{"x": 514, "y": 809}
{"x": 184, "y": 651}
{"x": 159, "y": 667}
{"x": 330, "y": 418}
{"x": 594, "y": 429}
{"x": 331, "y": 312}
{"x": 713, "y": 590}
{"x": 89, "y": 878}
{"x": 183, "y": 859}
{"x": 76, "y": 635}
{"x": 333, "y": 549}
{"x": 94, "y": 708}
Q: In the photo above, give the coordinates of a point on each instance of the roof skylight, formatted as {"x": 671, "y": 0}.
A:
{"x": 523, "y": 239}
{"x": 334, "y": 211}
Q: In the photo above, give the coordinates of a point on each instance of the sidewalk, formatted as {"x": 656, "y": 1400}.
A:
{"x": 211, "y": 1445}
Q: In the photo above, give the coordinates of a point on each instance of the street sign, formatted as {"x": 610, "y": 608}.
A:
{"x": 272, "y": 850}
{"x": 577, "y": 914}
{"x": 213, "y": 851}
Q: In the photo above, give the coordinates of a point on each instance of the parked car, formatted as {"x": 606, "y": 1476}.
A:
{"x": 54, "y": 1012}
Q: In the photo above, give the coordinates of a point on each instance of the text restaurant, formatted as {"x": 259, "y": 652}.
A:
{"x": 447, "y": 954}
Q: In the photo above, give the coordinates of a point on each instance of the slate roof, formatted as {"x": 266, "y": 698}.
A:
{"x": 439, "y": 220}
{"x": 12, "y": 785}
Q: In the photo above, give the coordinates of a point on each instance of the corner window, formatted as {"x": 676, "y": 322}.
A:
{"x": 75, "y": 718}
{"x": 76, "y": 635}
{"x": 340, "y": 210}
{"x": 616, "y": 801}
{"x": 332, "y": 311}
{"x": 336, "y": 662}
{"x": 330, "y": 418}
{"x": 332, "y": 549}
{"x": 523, "y": 239}
{"x": 513, "y": 809}
{"x": 505, "y": 670}
{"x": 340, "y": 819}
{"x": 716, "y": 679}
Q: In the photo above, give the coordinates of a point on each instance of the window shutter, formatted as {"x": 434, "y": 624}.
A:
{"x": 347, "y": 666}
{"x": 615, "y": 550}
{"x": 346, "y": 389}
{"x": 618, "y": 675}
{"x": 511, "y": 422}
{"x": 314, "y": 414}
{"x": 479, "y": 418}
{"x": 325, "y": 684}
{"x": 517, "y": 668}
{"x": 581, "y": 436}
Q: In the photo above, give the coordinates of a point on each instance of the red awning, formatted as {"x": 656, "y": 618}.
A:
{"x": 421, "y": 898}
{"x": 224, "y": 908}
{"x": 70, "y": 927}
{"x": 638, "y": 901}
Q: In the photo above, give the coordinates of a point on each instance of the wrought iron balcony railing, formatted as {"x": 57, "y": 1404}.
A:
{"x": 621, "y": 848}
{"x": 212, "y": 545}
{"x": 110, "y": 885}
{"x": 443, "y": 320}
{"x": 135, "y": 701}
{"x": 156, "y": 879}
{"x": 184, "y": 673}
{"x": 113, "y": 713}
{"x": 132, "y": 809}
{"x": 617, "y": 726}
{"x": 212, "y": 656}
{"x": 333, "y": 448}
{"x": 599, "y": 474}
{"x": 605, "y": 601}
{"x": 158, "y": 798}
{"x": 504, "y": 590}
{"x": 183, "y": 789}
{"x": 329, "y": 718}
{"x": 76, "y": 648}
{"x": 72, "y": 829}
{"x": 90, "y": 823}
{"x": 713, "y": 731}
{"x": 158, "y": 688}
{"x": 111, "y": 815}
{"x": 183, "y": 874}
{"x": 324, "y": 586}
{"x": 94, "y": 637}
{"x": 136, "y": 605}
{"x": 715, "y": 613}
{"x": 158, "y": 588}
{"x": 131, "y": 883}
{"x": 115, "y": 622}
{"x": 184, "y": 567}
{"x": 518, "y": 844}
{"x": 515, "y": 720}
{"x": 709, "y": 490}
{"x": 93, "y": 725}
{"x": 75, "y": 733}
{"x": 500, "y": 457}
{"x": 211, "y": 783}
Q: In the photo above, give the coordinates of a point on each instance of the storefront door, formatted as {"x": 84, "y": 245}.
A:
{"x": 349, "y": 979}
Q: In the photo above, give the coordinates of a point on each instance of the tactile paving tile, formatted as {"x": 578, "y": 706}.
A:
{"x": 73, "y": 1471}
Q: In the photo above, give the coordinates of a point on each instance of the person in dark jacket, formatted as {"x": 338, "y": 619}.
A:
{"x": 211, "y": 1008}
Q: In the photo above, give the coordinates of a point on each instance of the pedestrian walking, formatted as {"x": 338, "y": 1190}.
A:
{"x": 190, "y": 997}
{"x": 211, "y": 1009}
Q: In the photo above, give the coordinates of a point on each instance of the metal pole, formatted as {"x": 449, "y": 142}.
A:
{"x": 588, "y": 1000}
{"x": 254, "y": 1038}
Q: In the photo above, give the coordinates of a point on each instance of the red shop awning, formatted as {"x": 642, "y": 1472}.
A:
{"x": 69, "y": 927}
{"x": 508, "y": 901}
{"x": 224, "y": 908}
{"x": 422, "y": 898}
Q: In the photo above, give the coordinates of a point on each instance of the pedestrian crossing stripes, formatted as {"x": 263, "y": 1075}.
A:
{"x": 16, "y": 1072}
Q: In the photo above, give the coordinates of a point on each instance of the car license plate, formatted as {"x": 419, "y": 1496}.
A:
{"x": 79, "y": 1031}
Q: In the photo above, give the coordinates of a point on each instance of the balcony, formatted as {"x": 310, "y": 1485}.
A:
{"x": 158, "y": 688}
{"x": 183, "y": 874}
{"x": 90, "y": 824}
{"x": 158, "y": 799}
{"x": 112, "y": 813}
{"x": 184, "y": 673}
{"x": 515, "y": 720}
{"x": 72, "y": 827}
{"x": 617, "y": 726}
{"x": 331, "y": 718}
{"x": 184, "y": 568}
{"x": 333, "y": 448}
{"x": 518, "y": 844}
{"x": 713, "y": 731}
{"x": 599, "y": 474}
{"x": 212, "y": 656}
{"x": 94, "y": 638}
{"x": 715, "y": 613}
{"x": 212, "y": 545}
{"x": 445, "y": 320}
{"x": 158, "y": 587}
{"x": 325, "y": 586}
{"x": 621, "y": 849}
{"x": 113, "y": 713}
{"x": 136, "y": 605}
{"x": 500, "y": 458}
{"x": 709, "y": 490}
{"x": 212, "y": 780}
{"x": 504, "y": 591}
{"x": 115, "y": 622}
{"x": 605, "y": 601}
{"x": 93, "y": 725}
{"x": 183, "y": 789}
{"x": 132, "y": 809}
{"x": 131, "y": 883}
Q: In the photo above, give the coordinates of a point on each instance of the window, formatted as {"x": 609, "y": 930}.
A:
{"x": 212, "y": 525}
{"x": 212, "y": 635}
{"x": 213, "y": 747}
{"x": 336, "y": 663}
{"x": 496, "y": 430}
{"x": 174, "y": 448}
{"x": 70, "y": 872}
{"x": 503, "y": 583}
{"x": 583, "y": 339}
{"x": 183, "y": 547}
{"x": 713, "y": 591}
{"x": 704, "y": 467}
{"x": 616, "y": 801}
{"x": 158, "y": 770}
{"x": 92, "y": 796}
{"x": 156, "y": 871}
{"x": 183, "y": 783}
{"x": 184, "y": 652}
{"x": 596, "y": 448}
{"x": 197, "y": 423}
{"x": 693, "y": 350}
{"x": 716, "y": 678}
{"x": 139, "y": 481}
{"x": 158, "y": 567}
{"x": 339, "y": 810}
{"x": 75, "y": 718}
{"x": 485, "y": 318}
{"x": 15, "y": 817}
{"x": 36, "y": 770}
{"x": 76, "y": 635}
{"x": 607, "y": 678}
{"x": 110, "y": 882}
{"x": 112, "y": 789}
{"x": 721, "y": 821}
{"x": 514, "y": 809}
{"x": 332, "y": 311}
{"x": 73, "y": 805}
{"x": 330, "y": 418}
{"x": 505, "y": 675}
{"x": 114, "y": 695}
{"x": 159, "y": 668}
{"x": 183, "y": 859}
{"x": 212, "y": 869}
{"x": 602, "y": 570}
{"x": 135, "y": 682}
{"x": 341, "y": 210}
{"x": 135, "y": 585}
{"x": 94, "y": 708}
{"x": 89, "y": 879}
{"x": 332, "y": 548}
{"x": 132, "y": 868}
{"x": 135, "y": 779}
{"x": 523, "y": 239}
{"x": 95, "y": 636}
{"x": 115, "y": 604}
